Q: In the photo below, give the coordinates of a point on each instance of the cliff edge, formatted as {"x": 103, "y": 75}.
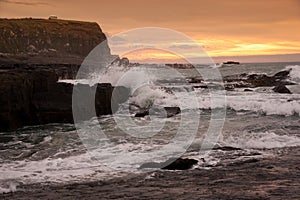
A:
{"x": 49, "y": 41}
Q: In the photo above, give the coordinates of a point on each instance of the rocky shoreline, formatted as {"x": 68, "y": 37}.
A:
{"x": 32, "y": 95}
{"x": 34, "y": 55}
{"x": 275, "y": 177}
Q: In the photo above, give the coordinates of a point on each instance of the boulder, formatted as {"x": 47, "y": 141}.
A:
{"x": 282, "y": 74}
{"x": 226, "y": 148}
{"x": 124, "y": 61}
{"x": 159, "y": 111}
{"x": 142, "y": 113}
{"x": 248, "y": 90}
{"x": 172, "y": 111}
{"x": 171, "y": 164}
{"x": 181, "y": 164}
{"x": 282, "y": 89}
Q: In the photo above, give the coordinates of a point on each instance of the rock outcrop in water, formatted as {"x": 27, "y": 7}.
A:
{"x": 171, "y": 164}
{"x": 244, "y": 81}
{"x": 159, "y": 111}
{"x": 282, "y": 89}
{"x": 30, "y": 97}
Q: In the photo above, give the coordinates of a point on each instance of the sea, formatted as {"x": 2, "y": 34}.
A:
{"x": 239, "y": 125}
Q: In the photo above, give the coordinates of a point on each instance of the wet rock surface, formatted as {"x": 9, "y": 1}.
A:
{"x": 282, "y": 89}
{"x": 159, "y": 111}
{"x": 246, "y": 81}
{"x": 30, "y": 97}
{"x": 34, "y": 55}
{"x": 172, "y": 164}
{"x": 269, "y": 178}
{"x": 260, "y": 80}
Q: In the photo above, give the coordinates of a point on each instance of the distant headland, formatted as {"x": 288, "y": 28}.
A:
{"x": 47, "y": 41}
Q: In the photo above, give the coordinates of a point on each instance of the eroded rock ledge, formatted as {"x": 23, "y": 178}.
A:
{"x": 33, "y": 96}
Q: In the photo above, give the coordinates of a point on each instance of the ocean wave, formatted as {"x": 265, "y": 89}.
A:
{"x": 294, "y": 72}
{"x": 8, "y": 187}
{"x": 261, "y": 140}
{"x": 269, "y": 105}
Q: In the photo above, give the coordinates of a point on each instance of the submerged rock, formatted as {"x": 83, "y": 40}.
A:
{"x": 159, "y": 111}
{"x": 178, "y": 164}
{"x": 231, "y": 63}
{"x": 172, "y": 111}
{"x": 181, "y": 164}
{"x": 282, "y": 89}
{"x": 142, "y": 113}
{"x": 258, "y": 80}
{"x": 248, "y": 90}
{"x": 282, "y": 74}
{"x": 226, "y": 148}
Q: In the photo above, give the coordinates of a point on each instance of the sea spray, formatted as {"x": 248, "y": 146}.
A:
{"x": 294, "y": 72}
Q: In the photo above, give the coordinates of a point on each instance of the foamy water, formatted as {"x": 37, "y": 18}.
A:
{"x": 256, "y": 121}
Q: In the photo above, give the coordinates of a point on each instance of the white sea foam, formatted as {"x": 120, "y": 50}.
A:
{"x": 87, "y": 166}
{"x": 262, "y": 140}
{"x": 294, "y": 72}
{"x": 268, "y": 104}
{"x": 147, "y": 96}
{"x": 9, "y": 186}
{"x": 264, "y": 103}
{"x": 118, "y": 76}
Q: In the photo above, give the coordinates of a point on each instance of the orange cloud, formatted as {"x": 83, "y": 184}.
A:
{"x": 224, "y": 28}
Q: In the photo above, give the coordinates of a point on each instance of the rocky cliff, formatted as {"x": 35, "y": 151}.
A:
{"x": 34, "y": 54}
{"x": 48, "y": 40}
{"x": 30, "y": 97}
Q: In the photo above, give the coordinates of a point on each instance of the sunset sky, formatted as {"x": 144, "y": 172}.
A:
{"x": 253, "y": 29}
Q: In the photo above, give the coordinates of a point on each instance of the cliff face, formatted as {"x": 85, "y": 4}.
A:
{"x": 30, "y": 97}
{"x": 48, "y": 41}
{"x": 34, "y": 54}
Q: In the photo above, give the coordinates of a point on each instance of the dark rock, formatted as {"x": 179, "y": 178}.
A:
{"x": 48, "y": 41}
{"x": 178, "y": 164}
{"x": 120, "y": 61}
{"x": 34, "y": 55}
{"x": 248, "y": 90}
{"x": 226, "y": 148}
{"x": 159, "y": 111}
{"x": 181, "y": 164}
{"x": 194, "y": 80}
{"x": 30, "y": 97}
{"x": 172, "y": 111}
{"x": 282, "y": 74}
{"x": 200, "y": 86}
{"x": 124, "y": 62}
{"x": 180, "y": 65}
{"x": 258, "y": 80}
{"x": 142, "y": 113}
{"x": 229, "y": 87}
{"x": 231, "y": 63}
{"x": 282, "y": 89}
